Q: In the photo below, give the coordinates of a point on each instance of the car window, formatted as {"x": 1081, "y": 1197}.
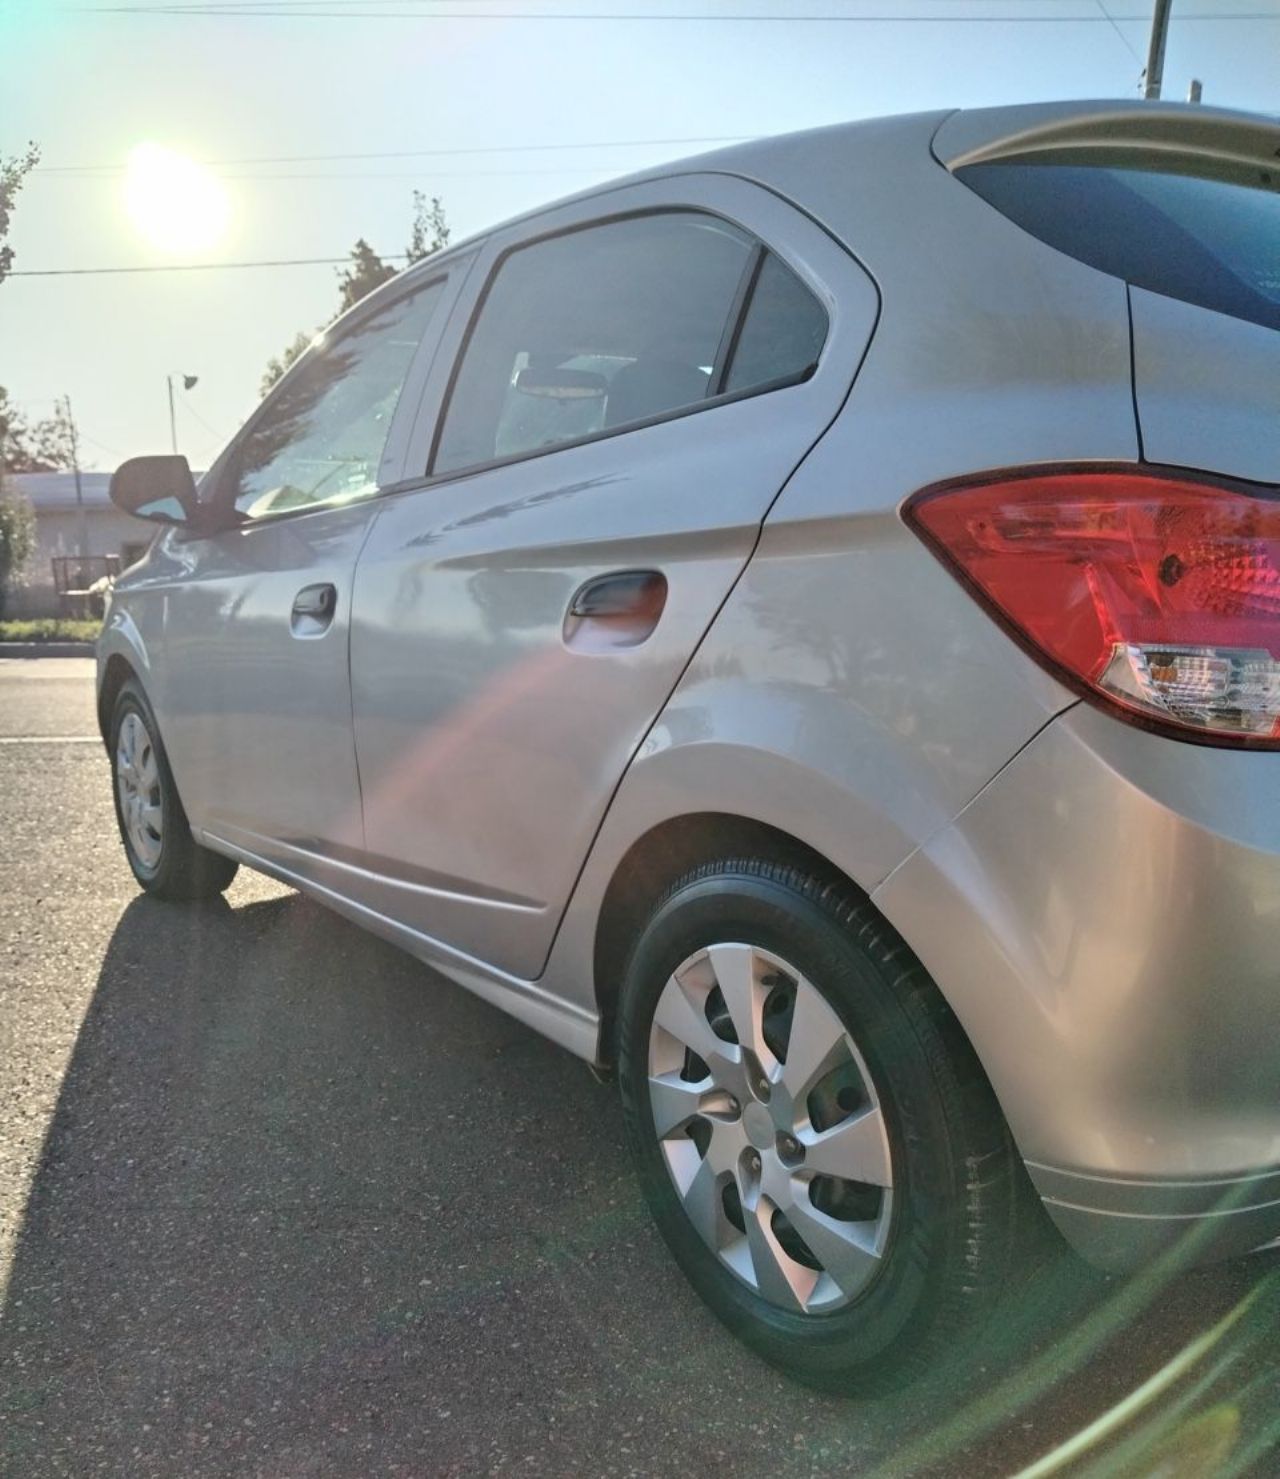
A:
{"x": 1209, "y": 241}
{"x": 592, "y": 331}
{"x": 782, "y": 334}
{"x": 321, "y": 438}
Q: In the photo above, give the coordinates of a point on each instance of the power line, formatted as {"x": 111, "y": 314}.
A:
{"x": 421, "y": 153}
{"x": 422, "y": 176}
{"x": 102, "y": 446}
{"x": 186, "y": 405}
{"x": 217, "y": 5}
{"x": 194, "y": 266}
{"x": 248, "y": 10}
{"x": 1115, "y": 26}
{"x": 55, "y": 402}
{"x": 284, "y": 7}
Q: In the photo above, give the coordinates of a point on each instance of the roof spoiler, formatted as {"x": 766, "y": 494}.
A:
{"x": 1076, "y": 132}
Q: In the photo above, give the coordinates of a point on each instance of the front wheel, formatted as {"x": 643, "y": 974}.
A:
{"x": 166, "y": 860}
{"x": 812, "y": 1131}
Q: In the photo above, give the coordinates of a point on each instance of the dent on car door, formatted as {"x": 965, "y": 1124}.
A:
{"x": 256, "y": 686}
{"x": 628, "y": 399}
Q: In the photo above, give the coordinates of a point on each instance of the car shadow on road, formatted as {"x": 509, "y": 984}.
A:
{"x": 305, "y": 1207}
{"x": 286, "y": 1162}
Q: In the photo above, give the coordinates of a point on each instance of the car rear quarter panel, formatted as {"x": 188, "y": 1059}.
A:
{"x": 1104, "y": 919}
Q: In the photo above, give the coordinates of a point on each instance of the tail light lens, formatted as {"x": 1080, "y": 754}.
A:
{"x": 1160, "y": 594}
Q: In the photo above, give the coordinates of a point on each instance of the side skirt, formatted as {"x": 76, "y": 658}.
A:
{"x": 563, "y": 1022}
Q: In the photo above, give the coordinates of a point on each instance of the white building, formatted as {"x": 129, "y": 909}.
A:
{"x": 109, "y": 536}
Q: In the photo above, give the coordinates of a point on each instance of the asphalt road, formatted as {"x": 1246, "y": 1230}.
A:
{"x": 276, "y": 1200}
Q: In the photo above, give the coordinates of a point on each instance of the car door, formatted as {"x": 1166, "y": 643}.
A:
{"x": 253, "y": 677}
{"x": 636, "y": 378}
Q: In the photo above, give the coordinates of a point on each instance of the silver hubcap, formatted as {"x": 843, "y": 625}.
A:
{"x": 770, "y": 1127}
{"x": 138, "y": 787}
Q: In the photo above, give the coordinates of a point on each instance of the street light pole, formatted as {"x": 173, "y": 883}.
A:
{"x": 1155, "y": 52}
{"x": 189, "y": 382}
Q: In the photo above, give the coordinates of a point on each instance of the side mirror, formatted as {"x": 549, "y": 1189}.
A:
{"x": 157, "y": 488}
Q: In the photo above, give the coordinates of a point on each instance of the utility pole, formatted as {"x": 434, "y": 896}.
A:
{"x": 1155, "y": 52}
{"x": 74, "y": 445}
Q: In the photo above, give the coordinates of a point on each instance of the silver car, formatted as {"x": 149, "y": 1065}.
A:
{"x": 801, "y": 629}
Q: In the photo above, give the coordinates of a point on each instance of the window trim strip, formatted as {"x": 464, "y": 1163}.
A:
{"x": 738, "y": 311}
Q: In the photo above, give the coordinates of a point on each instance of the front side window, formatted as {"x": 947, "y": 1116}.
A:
{"x": 595, "y": 330}
{"x": 320, "y": 440}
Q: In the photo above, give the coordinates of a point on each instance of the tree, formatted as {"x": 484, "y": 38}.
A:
{"x": 17, "y": 538}
{"x": 48, "y": 446}
{"x": 15, "y": 435}
{"x": 55, "y": 441}
{"x": 278, "y": 364}
{"x": 366, "y": 272}
{"x": 430, "y": 232}
{"x": 12, "y": 173}
{"x": 17, "y": 518}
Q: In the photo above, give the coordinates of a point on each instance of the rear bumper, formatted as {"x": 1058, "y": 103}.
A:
{"x": 1105, "y": 920}
{"x": 1117, "y": 1223}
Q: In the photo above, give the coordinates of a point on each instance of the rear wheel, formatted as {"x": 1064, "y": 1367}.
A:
{"x": 811, "y": 1129}
{"x": 165, "y": 858}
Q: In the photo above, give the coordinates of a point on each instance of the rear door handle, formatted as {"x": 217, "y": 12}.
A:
{"x": 619, "y": 609}
{"x": 620, "y": 593}
{"x": 313, "y": 609}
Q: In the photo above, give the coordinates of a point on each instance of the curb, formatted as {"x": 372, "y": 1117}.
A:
{"x": 46, "y": 649}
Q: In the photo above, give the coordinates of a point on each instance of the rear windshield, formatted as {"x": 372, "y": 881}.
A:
{"x": 1206, "y": 241}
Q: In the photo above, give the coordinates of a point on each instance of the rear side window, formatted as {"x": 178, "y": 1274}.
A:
{"x": 782, "y": 334}
{"x": 1209, "y": 241}
{"x": 618, "y": 324}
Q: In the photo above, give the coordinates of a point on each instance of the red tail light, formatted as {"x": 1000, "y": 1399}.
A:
{"x": 1159, "y": 594}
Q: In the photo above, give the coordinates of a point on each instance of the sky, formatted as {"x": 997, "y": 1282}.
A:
{"x": 494, "y": 105}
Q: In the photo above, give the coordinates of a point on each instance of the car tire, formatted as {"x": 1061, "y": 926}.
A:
{"x": 165, "y": 858}
{"x": 864, "y": 1285}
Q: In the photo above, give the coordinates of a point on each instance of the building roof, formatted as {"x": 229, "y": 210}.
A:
{"x": 50, "y": 491}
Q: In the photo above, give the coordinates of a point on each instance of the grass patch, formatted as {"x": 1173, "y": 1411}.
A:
{"x": 49, "y": 629}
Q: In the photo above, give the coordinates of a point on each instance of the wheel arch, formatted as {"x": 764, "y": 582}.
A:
{"x": 680, "y": 843}
{"x": 123, "y": 654}
{"x": 654, "y": 861}
{"x": 116, "y": 672}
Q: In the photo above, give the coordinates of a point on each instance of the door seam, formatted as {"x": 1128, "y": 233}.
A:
{"x": 715, "y": 617}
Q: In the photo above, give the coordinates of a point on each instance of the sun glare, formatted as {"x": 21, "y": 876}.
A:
{"x": 175, "y": 203}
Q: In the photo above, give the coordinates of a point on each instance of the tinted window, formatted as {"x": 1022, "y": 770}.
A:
{"x": 593, "y": 330}
{"x": 782, "y": 334}
{"x": 1206, "y": 241}
{"x": 321, "y": 437}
